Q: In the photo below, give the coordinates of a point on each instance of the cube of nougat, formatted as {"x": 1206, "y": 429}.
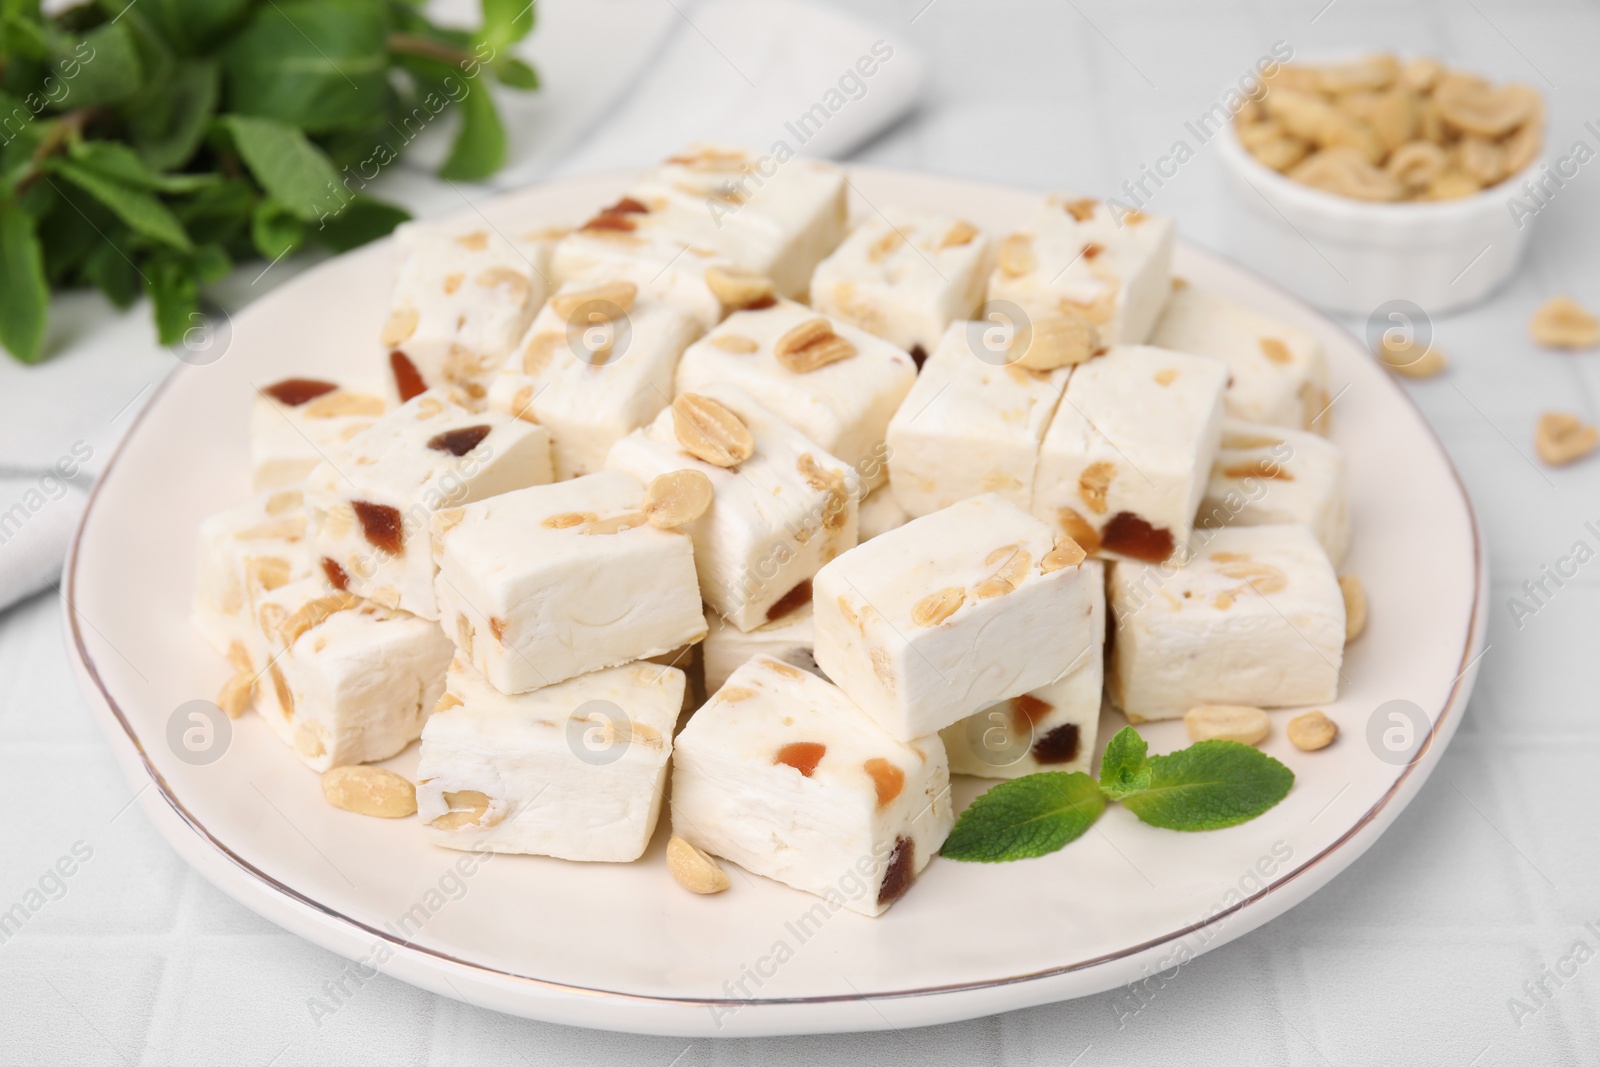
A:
{"x": 596, "y": 364}
{"x": 1127, "y": 456}
{"x": 463, "y": 296}
{"x": 972, "y": 422}
{"x": 575, "y": 770}
{"x": 242, "y": 552}
{"x": 1084, "y": 259}
{"x": 905, "y": 274}
{"x": 1276, "y": 373}
{"x": 780, "y": 773}
{"x": 803, "y": 200}
{"x": 293, "y": 421}
{"x": 543, "y": 584}
{"x": 844, "y": 405}
{"x": 774, "y": 520}
{"x": 1268, "y": 475}
{"x": 787, "y": 638}
{"x": 714, "y": 206}
{"x": 1255, "y": 618}
{"x": 368, "y": 503}
{"x": 954, "y": 611}
{"x": 346, "y": 680}
{"x": 1053, "y": 728}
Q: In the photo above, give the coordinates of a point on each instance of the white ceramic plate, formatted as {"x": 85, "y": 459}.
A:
{"x": 621, "y": 947}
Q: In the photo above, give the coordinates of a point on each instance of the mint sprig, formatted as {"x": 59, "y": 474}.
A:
{"x": 1210, "y": 785}
{"x": 148, "y": 147}
{"x": 1029, "y": 816}
{"x": 1207, "y": 786}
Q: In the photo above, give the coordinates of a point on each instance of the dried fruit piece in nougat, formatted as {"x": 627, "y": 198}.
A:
{"x": 926, "y": 625}
{"x": 369, "y": 502}
{"x": 542, "y": 584}
{"x": 780, "y": 773}
{"x": 1255, "y": 618}
{"x": 575, "y": 770}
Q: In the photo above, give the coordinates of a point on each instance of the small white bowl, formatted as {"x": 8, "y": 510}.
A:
{"x": 1353, "y": 255}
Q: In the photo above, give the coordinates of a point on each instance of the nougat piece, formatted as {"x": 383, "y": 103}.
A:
{"x": 543, "y": 584}
{"x": 788, "y": 638}
{"x": 346, "y": 680}
{"x": 463, "y": 297}
{"x": 596, "y": 364}
{"x": 879, "y": 513}
{"x": 1276, "y": 373}
{"x": 1268, "y": 475}
{"x": 775, "y": 518}
{"x": 972, "y": 423}
{"x": 575, "y": 770}
{"x": 1052, "y": 728}
{"x": 1091, "y": 261}
{"x": 719, "y": 207}
{"x": 803, "y": 200}
{"x": 241, "y": 552}
{"x": 905, "y": 274}
{"x": 1254, "y": 618}
{"x": 780, "y": 773}
{"x": 1128, "y": 454}
{"x": 295, "y": 421}
{"x": 836, "y": 384}
{"x": 369, "y": 502}
{"x": 926, "y": 625}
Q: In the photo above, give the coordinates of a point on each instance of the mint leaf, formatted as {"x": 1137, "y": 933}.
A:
{"x": 102, "y": 68}
{"x": 1210, "y": 785}
{"x": 505, "y": 22}
{"x": 320, "y": 65}
{"x": 1123, "y": 767}
{"x": 174, "y": 295}
{"x": 293, "y": 171}
{"x": 274, "y": 231}
{"x": 1029, "y": 816}
{"x": 363, "y": 219}
{"x": 480, "y": 146}
{"x": 117, "y": 162}
{"x": 169, "y": 131}
{"x": 142, "y": 212}
{"x": 190, "y": 26}
{"x": 516, "y": 74}
{"x": 22, "y": 311}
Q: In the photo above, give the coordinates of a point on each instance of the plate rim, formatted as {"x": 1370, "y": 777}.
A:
{"x": 1440, "y": 732}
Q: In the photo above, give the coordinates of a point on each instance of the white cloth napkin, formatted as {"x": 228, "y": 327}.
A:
{"x": 625, "y": 82}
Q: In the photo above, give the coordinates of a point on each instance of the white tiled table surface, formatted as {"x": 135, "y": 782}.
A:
{"x": 1410, "y": 957}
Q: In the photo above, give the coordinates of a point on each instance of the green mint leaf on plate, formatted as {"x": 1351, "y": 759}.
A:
{"x": 22, "y": 311}
{"x": 1025, "y": 817}
{"x": 1210, "y": 785}
{"x": 363, "y": 219}
{"x": 517, "y": 74}
{"x": 1123, "y": 767}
